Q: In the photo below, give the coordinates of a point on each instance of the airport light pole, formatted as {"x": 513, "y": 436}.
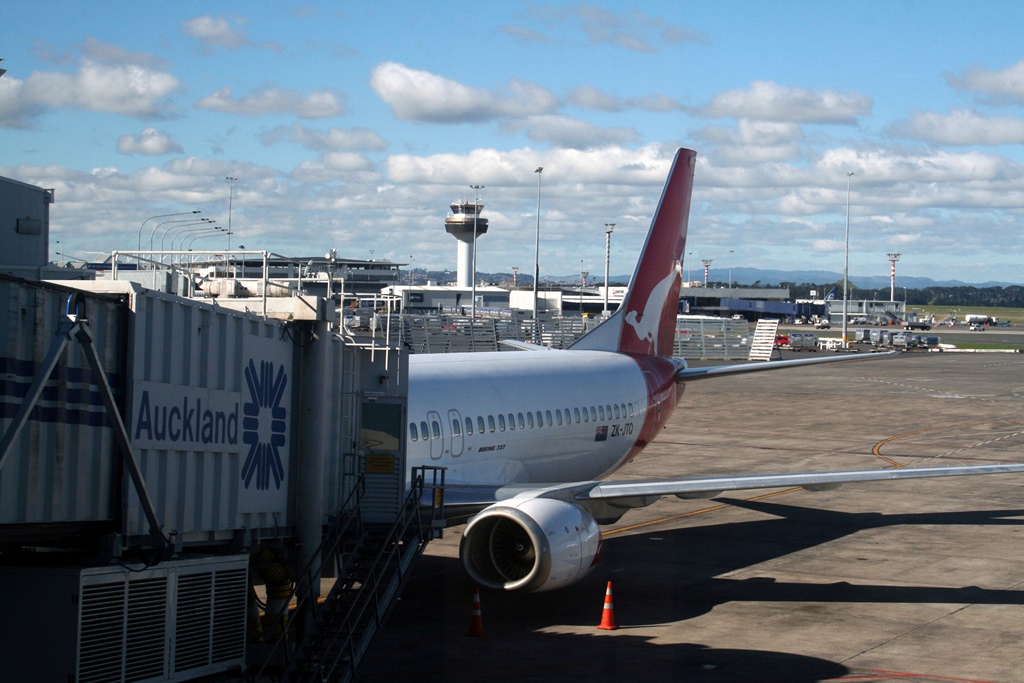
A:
{"x": 583, "y": 283}
{"x": 476, "y": 213}
{"x": 608, "y": 227}
{"x": 231, "y": 197}
{"x": 201, "y": 237}
{"x": 846, "y": 262}
{"x": 191, "y": 231}
{"x": 707, "y": 266}
{"x": 163, "y": 215}
{"x": 536, "y": 263}
{"x": 181, "y": 224}
{"x": 730, "y": 268}
{"x": 893, "y": 258}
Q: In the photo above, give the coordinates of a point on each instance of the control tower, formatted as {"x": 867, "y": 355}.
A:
{"x": 465, "y": 225}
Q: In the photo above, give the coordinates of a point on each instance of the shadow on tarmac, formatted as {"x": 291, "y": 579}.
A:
{"x": 660, "y": 578}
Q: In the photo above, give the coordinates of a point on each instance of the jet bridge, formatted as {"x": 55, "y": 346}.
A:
{"x": 152, "y": 447}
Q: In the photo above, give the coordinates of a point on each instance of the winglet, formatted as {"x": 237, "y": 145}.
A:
{"x": 645, "y": 322}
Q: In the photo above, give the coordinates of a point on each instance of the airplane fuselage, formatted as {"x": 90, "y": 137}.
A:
{"x": 523, "y": 417}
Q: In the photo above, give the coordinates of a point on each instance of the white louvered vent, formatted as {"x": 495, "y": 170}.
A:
{"x": 192, "y": 631}
{"x": 146, "y": 637}
{"x": 211, "y": 615}
{"x": 100, "y": 648}
{"x": 127, "y": 621}
{"x": 230, "y": 588}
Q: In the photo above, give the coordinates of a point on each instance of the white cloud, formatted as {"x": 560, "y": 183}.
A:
{"x": 15, "y": 110}
{"x": 1004, "y": 84}
{"x": 150, "y": 142}
{"x": 589, "y": 97}
{"x": 563, "y": 131}
{"x": 274, "y": 100}
{"x": 525, "y": 34}
{"x": 773, "y": 102}
{"x": 104, "y": 53}
{"x": 885, "y": 166}
{"x": 634, "y": 31}
{"x": 416, "y": 95}
{"x": 362, "y": 139}
{"x": 335, "y": 166}
{"x": 618, "y": 166}
{"x": 131, "y": 90}
{"x": 217, "y": 32}
{"x": 964, "y": 127}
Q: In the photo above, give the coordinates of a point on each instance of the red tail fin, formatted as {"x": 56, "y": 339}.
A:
{"x": 646, "y": 321}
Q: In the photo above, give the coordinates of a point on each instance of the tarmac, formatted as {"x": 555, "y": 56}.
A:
{"x": 897, "y": 581}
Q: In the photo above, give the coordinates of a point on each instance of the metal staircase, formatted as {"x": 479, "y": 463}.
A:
{"x": 326, "y": 639}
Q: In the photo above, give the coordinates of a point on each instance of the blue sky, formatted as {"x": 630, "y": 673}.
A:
{"x": 354, "y": 125}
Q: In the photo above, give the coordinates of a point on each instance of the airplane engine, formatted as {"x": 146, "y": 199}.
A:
{"x": 537, "y": 544}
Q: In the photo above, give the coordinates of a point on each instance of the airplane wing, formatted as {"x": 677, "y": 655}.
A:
{"x": 690, "y": 374}
{"x": 609, "y": 499}
{"x": 522, "y": 345}
{"x": 708, "y": 487}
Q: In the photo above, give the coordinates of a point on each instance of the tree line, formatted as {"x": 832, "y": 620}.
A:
{"x": 965, "y": 295}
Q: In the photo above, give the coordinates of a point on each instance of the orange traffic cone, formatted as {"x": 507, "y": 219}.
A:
{"x": 608, "y": 615}
{"x": 476, "y": 622}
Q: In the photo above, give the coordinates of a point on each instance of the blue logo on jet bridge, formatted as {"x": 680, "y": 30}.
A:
{"x": 264, "y": 425}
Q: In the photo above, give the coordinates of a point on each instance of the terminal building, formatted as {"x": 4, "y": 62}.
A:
{"x": 190, "y": 442}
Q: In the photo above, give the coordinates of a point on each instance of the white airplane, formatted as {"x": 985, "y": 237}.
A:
{"x": 527, "y": 437}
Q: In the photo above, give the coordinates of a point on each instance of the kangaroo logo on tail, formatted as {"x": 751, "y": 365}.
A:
{"x": 647, "y": 324}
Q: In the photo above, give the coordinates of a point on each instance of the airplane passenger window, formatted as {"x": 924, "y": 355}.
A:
{"x": 586, "y": 415}
{"x": 608, "y": 411}
{"x": 547, "y": 415}
{"x": 558, "y": 415}
{"x": 577, "y": 413}
{"x": 456, "y": 428}
{"x": 529, "y": 420}
{"x": 631, "y": 410}
{"x": 469, "y": 426}
{"x": 413, "y": 432}
{"x": 600, "y": 411}
{"x": 617, "y": 414}
{"x": 435, "y": 429}
{"x": 593, "y": 414}
{"x": 501, "y": 422}
{"x": 490, "y": 423}
{"x": 480, "y": 424}
{"x": 511, "y": 421}
{"x": 423, "y": 430}
{"x": 522, "y": 425}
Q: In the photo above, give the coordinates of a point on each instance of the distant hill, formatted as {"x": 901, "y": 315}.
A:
{"x": 768, "y": 278}
{"x": 773, "y": 277}
{"x": 748, "y": 276}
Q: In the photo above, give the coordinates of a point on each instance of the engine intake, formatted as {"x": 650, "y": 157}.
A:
{"x": 536, "y": 544}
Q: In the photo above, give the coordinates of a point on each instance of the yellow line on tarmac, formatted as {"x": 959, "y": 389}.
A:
{"x": 876, "y": 450}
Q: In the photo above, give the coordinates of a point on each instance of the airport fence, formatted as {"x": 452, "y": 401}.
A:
{"x": 706, "y": 337}
{"x": 453, "y": 334}
{"x": 695, "y": 337}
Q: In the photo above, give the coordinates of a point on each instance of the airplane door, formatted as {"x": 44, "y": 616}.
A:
{"x": 455, "y": 423}
{"x": 438, "y": 435}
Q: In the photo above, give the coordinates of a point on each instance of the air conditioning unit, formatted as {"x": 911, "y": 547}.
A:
{"x": 173, "y": 622}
